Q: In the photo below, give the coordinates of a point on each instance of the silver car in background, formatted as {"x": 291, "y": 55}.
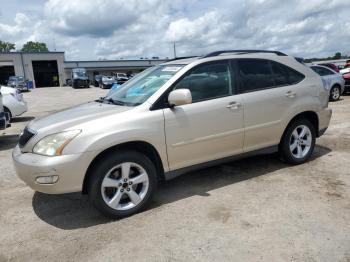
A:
{"x": 332, "y": 81}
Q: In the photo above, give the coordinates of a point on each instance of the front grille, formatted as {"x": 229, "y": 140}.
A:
{"x": 347, "y": 82}
{"x": 25, "y": 137}
{"x": 81, "y": 82}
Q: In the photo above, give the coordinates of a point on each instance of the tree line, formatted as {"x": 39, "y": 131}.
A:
{"x": 27, "y": 47}
{"x": 336, "y": 56}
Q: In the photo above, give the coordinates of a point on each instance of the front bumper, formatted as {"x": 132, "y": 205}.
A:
{"x": 70, "y": 169}
{"x": 20, "y": 108}
{"x": 324, "y": 117}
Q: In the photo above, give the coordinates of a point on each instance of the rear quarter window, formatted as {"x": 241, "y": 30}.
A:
{"x": 292, "y": 76}
{"x": 260, "y": 74}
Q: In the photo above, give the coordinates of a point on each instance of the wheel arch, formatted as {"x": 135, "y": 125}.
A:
{"x": 140, "y": 146}
{"x": 8, "y": 110}
{"x": 309, "y": 115}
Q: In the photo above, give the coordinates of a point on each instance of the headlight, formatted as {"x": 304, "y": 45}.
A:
{"x": 53, "y": 145}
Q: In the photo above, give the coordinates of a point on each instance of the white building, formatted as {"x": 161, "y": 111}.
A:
{"x": 50, "y": 68}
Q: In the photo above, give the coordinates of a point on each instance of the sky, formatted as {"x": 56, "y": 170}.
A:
{"x": 113, "y": 29}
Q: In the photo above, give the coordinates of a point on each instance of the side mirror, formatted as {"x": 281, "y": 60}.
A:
{"x": 180, "y": 97}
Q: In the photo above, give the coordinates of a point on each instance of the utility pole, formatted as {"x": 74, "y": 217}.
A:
{"x": 174, "y": 50}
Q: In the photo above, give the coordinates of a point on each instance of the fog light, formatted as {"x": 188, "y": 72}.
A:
{"x": 46, "y": 179}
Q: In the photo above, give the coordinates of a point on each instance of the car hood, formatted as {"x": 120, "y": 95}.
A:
{"x": 8, "y": 90}
{"x": 345, "y": 70}
{"x": 75, "y": 116}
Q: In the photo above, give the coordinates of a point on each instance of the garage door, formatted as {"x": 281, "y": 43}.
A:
{"x": 5, "y": 72}
{"x": 45, "y": 73}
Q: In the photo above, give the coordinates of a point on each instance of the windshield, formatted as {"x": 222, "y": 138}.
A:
{"x": 79, "y": 74}
{"x": 16, "y": 78}
{"x": 141, "y": 87}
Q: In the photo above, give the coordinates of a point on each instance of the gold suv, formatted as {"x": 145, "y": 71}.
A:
{"x": 178, "y": 116}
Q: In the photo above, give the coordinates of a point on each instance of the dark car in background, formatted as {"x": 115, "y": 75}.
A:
{"x": 331, "y": 66}
{"x": 80, "y": 78}
{"x": 17, "y": 82}
{"x": 97, "y": 80}
{"x": 347, "y": 82}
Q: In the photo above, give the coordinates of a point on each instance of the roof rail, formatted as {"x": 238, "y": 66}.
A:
{"x": 216, "y": 53}
{"x": 181, "y": 57}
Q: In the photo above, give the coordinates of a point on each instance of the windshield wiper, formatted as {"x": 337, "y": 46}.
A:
{"x": 110, "y": 101}
{"x": 115, "y": 102}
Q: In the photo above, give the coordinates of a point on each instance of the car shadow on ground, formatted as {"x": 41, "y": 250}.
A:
{"x": 8, "y": 141}
{"x": 19, "y": 119}
{"x": 73, "y": 211}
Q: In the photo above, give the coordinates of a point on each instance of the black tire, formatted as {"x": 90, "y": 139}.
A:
{"x": 332, "y": 94}
{"x": 284, "y": 146}
{"x": 6, "y": 110}
{"x": 99, "y": 172}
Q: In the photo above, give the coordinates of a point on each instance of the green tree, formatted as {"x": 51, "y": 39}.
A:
{"x": 337, "y": 55}
{"x": 6, "y": 46}
{"x": 34, "y": 47}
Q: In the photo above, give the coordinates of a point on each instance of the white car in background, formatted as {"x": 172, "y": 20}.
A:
{"x": 13, "y": 101}
{"x": 344, "y": 71}
{"x": 332, "y": 81}
{"x": 4, "y": 117}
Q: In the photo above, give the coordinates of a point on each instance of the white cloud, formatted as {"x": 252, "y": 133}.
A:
{"x": 90, "y": 29}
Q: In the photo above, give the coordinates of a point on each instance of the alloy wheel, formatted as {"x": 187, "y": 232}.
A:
{"x": 125, "y": 186}
{"x": 335, "y": 93}
{"x": 300, "y": 141}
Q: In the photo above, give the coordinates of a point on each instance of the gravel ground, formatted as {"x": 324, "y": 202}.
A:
{"x": 255, "y": 209}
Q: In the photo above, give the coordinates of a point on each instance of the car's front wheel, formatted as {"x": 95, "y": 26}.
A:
{"x": 298, "y": 142}
{"x": 334, "y": 94}
{"x": 6, "y": 110}
{"x": 122, "y": 184}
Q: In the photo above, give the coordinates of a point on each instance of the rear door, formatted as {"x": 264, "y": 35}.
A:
{"x": 269, "y": 90}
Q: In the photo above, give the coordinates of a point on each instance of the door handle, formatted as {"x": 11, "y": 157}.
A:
{"x": 233, "y": 105}
{"x": 291, "y": 94}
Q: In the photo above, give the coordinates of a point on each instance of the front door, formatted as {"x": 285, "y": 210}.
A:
{"x": 209, "y": 128}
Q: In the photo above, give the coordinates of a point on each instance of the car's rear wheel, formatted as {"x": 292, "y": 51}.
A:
{"x": 334, "y": 94}
{"x": 122, "y": 184}
{"x": 298, "y": 142}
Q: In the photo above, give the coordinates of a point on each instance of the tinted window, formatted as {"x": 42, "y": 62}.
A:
{"x": 322, "y": 71}
{"x": 207, "y": 81}
{"x": 280, "y": 74}
{"x": 254, "y": 75}
{"x": 292, "y": 76}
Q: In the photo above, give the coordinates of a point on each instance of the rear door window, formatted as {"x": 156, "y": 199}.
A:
{"x": 254, "y": 74}
{"x": 322, "y": 71}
